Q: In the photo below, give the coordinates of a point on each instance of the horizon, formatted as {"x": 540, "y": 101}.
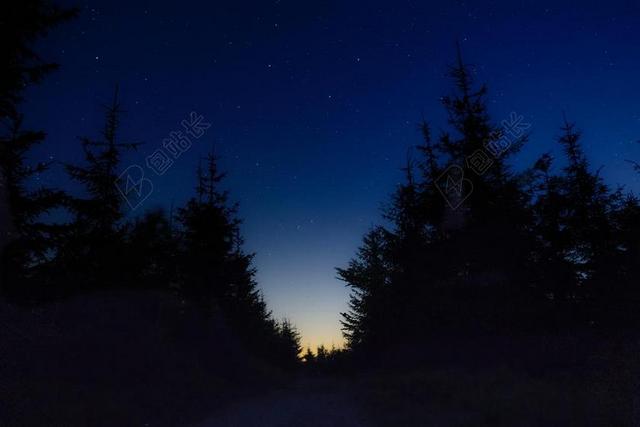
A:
{"x": 312, "y": 138}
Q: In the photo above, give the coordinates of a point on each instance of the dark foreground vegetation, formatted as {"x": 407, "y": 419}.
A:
{"x": 123, "y": 358}
{"x": 498, "y": 297}
{"x": 488, "y": 296}
{"x": 523, "y": 286}
{"x": 113, "y": 321}
{"x": 490, "y": 252}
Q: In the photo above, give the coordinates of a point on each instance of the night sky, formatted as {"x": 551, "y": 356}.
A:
{"x": 313, "y": 107}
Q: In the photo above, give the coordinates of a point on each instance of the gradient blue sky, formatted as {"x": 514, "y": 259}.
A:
{"x": 313, "y": 106}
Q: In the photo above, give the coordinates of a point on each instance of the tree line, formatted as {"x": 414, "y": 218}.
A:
{"x": 469, "y": 245}
{"x": 195, "y": 252}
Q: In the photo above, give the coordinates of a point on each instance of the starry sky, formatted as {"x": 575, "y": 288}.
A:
{"x": 313, "y": 107}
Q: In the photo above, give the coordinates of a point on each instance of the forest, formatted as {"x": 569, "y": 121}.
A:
{"x": 479, "y": 276}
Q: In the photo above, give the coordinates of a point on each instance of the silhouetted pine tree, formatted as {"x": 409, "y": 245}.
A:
{"x": 583, "y": 201}
{"x": 321, "y": 355}
{"x": 432, "y": 204}
{"x": 368, "y": 274}
{"x": 471, "y": 258}
{"x": 21, "y": 24}
{"x": 94, "y": 245}
{"x": 553, "y": 276}
{"x": 33, "y": 241}
{"x": 209, "y": 233}
{"x": 151, "y": 252}
{"x": 464, "y": 266}
{"x": 309, "y": 358}
{"x": 289, "y": 338}
{"x": 586, "y": 253}
{"x": 406, "y": 244}
{"x": 490, "y": 241}
{"x": 593, "y": 234}
{"x": 215, "y": 274}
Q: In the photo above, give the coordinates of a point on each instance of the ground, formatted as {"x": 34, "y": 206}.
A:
{"x": 111, "y": 361}
{"x": 444, "y": 397}
{"x": 312, "y": 403}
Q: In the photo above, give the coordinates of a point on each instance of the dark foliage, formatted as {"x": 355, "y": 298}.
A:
{"x": 194, "y": 255}
{"x": 550, "y": 251}
{"x": 21, "y": 24}
{"x": 511, "y": 254}
{"x": 23, "y": 237}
